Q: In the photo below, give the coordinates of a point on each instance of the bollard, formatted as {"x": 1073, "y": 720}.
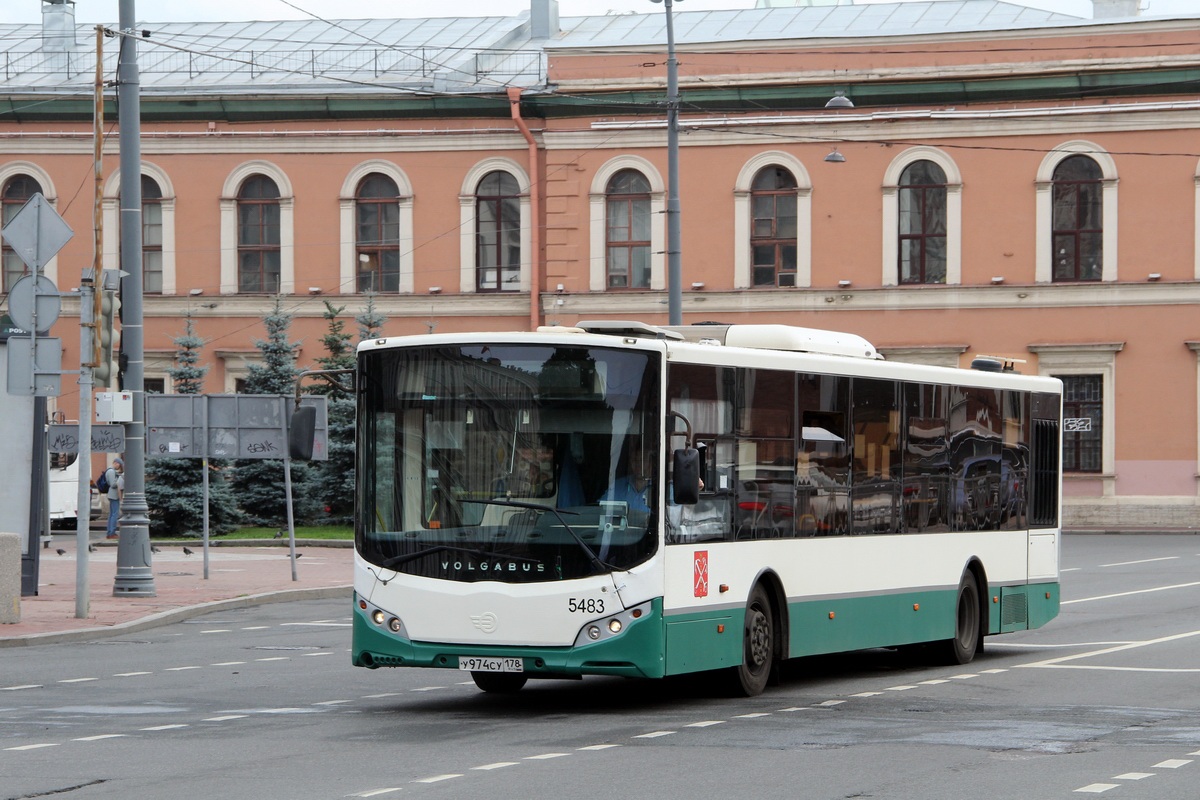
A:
{"x": 10, "y": 578}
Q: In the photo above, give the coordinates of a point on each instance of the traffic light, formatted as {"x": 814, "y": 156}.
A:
{"x": 107, "y": 339}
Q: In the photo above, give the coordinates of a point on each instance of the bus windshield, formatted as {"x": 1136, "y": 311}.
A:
{"x": 508, "y": 462}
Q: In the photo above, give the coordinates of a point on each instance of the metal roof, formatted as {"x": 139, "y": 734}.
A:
{"x": 451, "y": 54}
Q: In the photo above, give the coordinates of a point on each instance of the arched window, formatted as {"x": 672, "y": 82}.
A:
{"x": 497, "y": 233}
{"x": 16, "y": 192}
{"x": 152, "y": 236}
{"x": 377, "y": 237}
{"x": 258, "y": 238}
{"x": 1078, "y": 228}
{"x": 627, "y": 236}
{"x": 773, "y": 227}
{"x": 922, "y": 228}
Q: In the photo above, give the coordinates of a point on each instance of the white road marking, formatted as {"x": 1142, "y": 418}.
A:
{"x": 1173, "y": 763}
{"x": 497, "y": 765}
{"x": 256, "y": 627}
{"x": 219, "y": 630}
{"x": 1142, "y": 561}
{"x": 1097, "y": 788}
{"x": 755, "y": 715}
{"x": 653, "y": 734}
{"x": 806, "y": 708}
{"x": 963, "y": 677}
{"x": 225, "y": 718}
{"x": 831, "y": 703}
{"x": 1069, "y": 645}
{"x": 1054, "y": 662}
{"x": 1133, "y": 776}
{"x": 385, "y": 694}
{"x": 900, "y": 688}
{"x": 993, "y": 671}
{"x": 934, "y": 682}
{"x": 708, "y": 723}
{"x": 867, "y": 694}
{"x": 1129, "y": 594}
{"x": 79, "y": 680}
{"x": 439, "y": 778}
{"x": 333, "y": 702}
{"x": 22, "y": 686}
{"x": 164, "y": 727}
{"x": 227, "y": 663}
{"x": 598, "y": 747}
{"x": 130, "y": 674}
{"x": 181, "y": 669}
{"x": 376, "y": 792}
{"x": 273, "y": 658}
{"x": 99, "y": 737}
{"x": 317, "y": 624}
{"x": 33, "y": 746}
{"x": 428, "y": 688}
{"x": 310, "y": 655}
{"x": 545, "y": 756}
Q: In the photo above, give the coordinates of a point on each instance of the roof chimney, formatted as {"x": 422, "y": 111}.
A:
{"x": 58, "y": 26}
{"x": 1107, "y": 9}
{"x": 543, "y": 19}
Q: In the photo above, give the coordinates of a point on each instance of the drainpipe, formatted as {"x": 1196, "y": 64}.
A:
{"x": 535, "y": 212}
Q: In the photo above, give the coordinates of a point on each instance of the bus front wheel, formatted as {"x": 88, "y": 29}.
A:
{"x": 962, "y": 648}
{"x": 499, "y": 682}
{"x": 758, "y": 646}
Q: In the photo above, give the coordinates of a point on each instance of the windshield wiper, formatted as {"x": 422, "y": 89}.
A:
{"x": 600, "y": 566}
{"x": 396, "y": 561}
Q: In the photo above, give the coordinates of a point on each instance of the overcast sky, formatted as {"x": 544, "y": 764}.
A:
{"x": 90, "y": 11}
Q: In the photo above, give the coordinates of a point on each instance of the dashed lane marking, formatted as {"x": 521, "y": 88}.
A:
{"x": 79, "y": 680}
{"x": 708, "y": 723}
{"x": 754, "y": 715}
{"x": 654, "y": 734}
{"x": 547, "y": 756}
{"x": 227, "y": 664}
{"x": 1173, "y": 763}
{"x": 131, "y": 674}
{"x": 1133, "y": 776}
{"x": 22, "y": 686}
{"x": 33, "y": 746}
{"x": 497, "y": 765}
{"x": 598, "y": 747}
{"x": 1097, "y": 788}
{"x": 164, "y": 727}
{"x": 225, "y": 718}
{"x": 439, "y": 778}
{"x": 101, "y": 736}
{"x": 1142, "y": 561}
{"x": 376, "y": 792}
{"x": 1128, "y": 594}
{"x": 182, "y": 669}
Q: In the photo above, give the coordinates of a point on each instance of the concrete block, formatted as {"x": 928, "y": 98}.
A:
{"x": 10, "y": 578}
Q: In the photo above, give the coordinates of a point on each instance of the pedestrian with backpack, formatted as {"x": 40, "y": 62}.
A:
{"x": 114, "y": 476}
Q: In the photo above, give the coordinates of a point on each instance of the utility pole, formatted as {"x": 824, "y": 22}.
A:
{"x": 134, "y": 576}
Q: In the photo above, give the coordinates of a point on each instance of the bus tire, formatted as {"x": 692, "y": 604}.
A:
{"x": 499, "y": 682}
{"x": 758, "y": 646}
{"x": 962, "y": 648}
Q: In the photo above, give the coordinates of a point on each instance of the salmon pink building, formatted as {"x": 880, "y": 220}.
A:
{"x": 992, "y": 180}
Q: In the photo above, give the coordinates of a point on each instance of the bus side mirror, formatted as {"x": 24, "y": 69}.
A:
{"x": 301, "y": 433}
{"x": 685, "y": 471}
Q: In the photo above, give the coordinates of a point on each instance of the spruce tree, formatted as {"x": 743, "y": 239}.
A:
{"x": 336, "y": 476}
{"x": 259, "y": 483}
{"x": 370, "y": 321}
{"x": 175, "y": 486}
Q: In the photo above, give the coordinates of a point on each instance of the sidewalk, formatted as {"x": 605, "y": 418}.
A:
{"x": 238, "y": 576}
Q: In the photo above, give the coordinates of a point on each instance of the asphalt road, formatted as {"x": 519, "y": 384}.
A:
{"x": 262, "y": 703}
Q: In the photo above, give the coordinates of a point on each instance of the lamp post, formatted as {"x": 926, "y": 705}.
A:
{"x": 674, "y": 253}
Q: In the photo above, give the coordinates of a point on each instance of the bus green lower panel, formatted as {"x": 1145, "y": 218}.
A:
{"x": 637, "y": 652}
{"x": 856, "y": 623}
{"x": 697, "y": 643}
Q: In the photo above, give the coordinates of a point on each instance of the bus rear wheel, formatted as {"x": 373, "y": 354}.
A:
{"x": 499, "y": 682}
{"x": 962, "y": 648}
{"x": 758, "y": 646}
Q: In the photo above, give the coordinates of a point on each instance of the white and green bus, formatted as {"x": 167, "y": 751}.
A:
{"x": 621, "y": 499}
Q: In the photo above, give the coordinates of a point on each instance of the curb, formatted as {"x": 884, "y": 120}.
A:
{"x": 175, "y": 615}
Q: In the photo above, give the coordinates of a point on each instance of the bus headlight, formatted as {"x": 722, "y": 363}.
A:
{"x": 614, "y": 625}
{"x": 383, "y": 619}
{"x": 377, "y": 616}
